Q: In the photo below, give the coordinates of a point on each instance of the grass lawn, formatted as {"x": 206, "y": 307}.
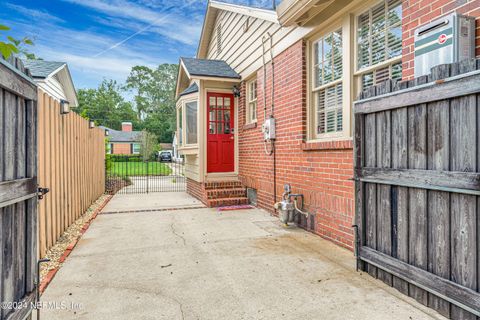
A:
{"x": 139, "y": 169}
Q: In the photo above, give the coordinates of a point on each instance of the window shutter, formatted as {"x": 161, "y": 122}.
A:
{"x": 329, "y": 109}
{"x": 363, "y": 40}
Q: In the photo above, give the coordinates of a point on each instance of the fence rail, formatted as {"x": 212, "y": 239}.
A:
{"x": 71, "y": 164}
{"x": 417, "y": 171}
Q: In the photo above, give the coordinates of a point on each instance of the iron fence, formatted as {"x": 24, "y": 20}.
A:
{"x": 128, "y": 174}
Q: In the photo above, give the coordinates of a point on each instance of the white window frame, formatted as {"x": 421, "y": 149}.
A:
{"x": 312, "y": 118}
{"x": 251, "y": 102}
{"x": 360, "y": 72}
{"x": 139, "y": 148}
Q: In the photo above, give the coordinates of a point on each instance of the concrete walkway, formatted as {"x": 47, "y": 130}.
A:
{"x": 204, "y": 264}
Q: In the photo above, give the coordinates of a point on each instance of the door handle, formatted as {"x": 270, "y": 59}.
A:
{"x": 232, "y": 137}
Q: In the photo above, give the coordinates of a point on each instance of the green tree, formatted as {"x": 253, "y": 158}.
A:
{"x": 15, "y": 46}
{"x": 154, "y": 98}
{"x": 150, "y": 145}
{"x": 106, "y": 106}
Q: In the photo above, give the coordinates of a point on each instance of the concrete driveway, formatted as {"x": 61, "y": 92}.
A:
{"x": 198, "y": 263}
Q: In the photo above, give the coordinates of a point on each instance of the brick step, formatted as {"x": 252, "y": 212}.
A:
{"x": 223, "y": 185}
{"x": 227, "y": 202}
{"x": 226, "y": 193}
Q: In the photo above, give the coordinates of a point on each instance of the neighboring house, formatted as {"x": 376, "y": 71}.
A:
{"x": 124, "y": 142}
{"x": 325, "y": 54}
{"x": 54, "y": 79}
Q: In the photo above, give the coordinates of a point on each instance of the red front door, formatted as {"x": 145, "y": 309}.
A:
{"x": 220, "y": 137}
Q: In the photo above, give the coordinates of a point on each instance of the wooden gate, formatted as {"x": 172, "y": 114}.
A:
{"x": 18, "y": 190}
{"x": 417, "y": 164}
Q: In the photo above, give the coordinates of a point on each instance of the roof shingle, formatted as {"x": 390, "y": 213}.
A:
{"x": 209, "y": 68}
{"x": 42, "y": 68}
{"x": 123, "y": 136}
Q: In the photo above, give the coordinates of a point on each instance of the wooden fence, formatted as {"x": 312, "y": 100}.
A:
{"x": 417, "y": 164}
{"x": 18, "y": 189}
{"x": 71, "y": 163}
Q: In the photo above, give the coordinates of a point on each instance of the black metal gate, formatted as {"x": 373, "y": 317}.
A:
{"x": 134, "y": 174}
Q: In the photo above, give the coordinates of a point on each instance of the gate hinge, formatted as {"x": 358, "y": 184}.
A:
{"x": 42, "y": 192}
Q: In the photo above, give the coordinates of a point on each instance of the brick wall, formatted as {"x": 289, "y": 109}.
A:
{"x": 419, "y": 12}
{"x": 197, "y": 190}
{"x": 121, "y": 148}
{"x": 320, "y": 171}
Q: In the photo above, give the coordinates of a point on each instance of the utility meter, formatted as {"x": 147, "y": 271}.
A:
{"x": 269, "y": 129}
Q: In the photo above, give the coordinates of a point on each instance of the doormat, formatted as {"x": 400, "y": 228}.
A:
{"x": 239, "y": 207}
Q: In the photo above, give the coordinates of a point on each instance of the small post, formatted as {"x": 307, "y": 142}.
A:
{"x": 357, "y": 246}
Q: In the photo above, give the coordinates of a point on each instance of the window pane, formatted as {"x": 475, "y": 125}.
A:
{"x": 382, "y": 74}
{"x": 337, "y": 55}
{"x": 363, "y": 40}
{"x": 318, "y": 75}
{"x": 329, "y": 109}
{"x": 397, "y": 71}
{"x": 191, "y": 130}
{"x": 367, "y": 80}
{"x": 394, "y": 37}
{"x": 379, "y": 33}
{"x": 226, "y": 118}
{"x": 227, "y": 102}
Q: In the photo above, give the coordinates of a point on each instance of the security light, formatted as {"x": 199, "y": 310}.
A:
{"x": 107, "y": 132}
{"x": 92, "y": 124}
{"x": 236, "y": 92}
{"x": 64, "y": 107}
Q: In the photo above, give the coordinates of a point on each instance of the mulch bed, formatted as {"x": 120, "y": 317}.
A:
{"x": 65, "y": 244}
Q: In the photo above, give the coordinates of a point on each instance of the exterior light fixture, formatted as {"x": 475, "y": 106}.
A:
{"x": 236, "y": 92}
{"x": 107, "y": 132}
{"x": 64, "y": 107}
{"x": 91, "y": 124}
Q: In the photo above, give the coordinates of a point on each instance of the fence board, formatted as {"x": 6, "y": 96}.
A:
{"x": 464, "y": 238}
{"x": 438, "y": 156}
{"x": 400, "y": 194}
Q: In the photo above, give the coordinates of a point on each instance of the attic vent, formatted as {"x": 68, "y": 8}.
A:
{"x": 219, "y": 37}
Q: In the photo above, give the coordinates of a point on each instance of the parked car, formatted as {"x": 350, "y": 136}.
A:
{"x": 165, "y": 156}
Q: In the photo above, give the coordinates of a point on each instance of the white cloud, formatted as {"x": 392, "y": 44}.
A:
{"x": 168, "y": 20}
{"x": 32, "y": 13}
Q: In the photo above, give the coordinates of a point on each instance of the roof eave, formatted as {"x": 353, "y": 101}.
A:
{"x": 296, "y": 12}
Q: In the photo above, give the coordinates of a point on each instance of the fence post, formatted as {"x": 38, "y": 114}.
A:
{"x": 147, "y": 176}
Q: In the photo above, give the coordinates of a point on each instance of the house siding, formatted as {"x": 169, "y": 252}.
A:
{"x": 320, "y": 171}
{"x": 420, "y": 12}
{"x": 121, "y": 148}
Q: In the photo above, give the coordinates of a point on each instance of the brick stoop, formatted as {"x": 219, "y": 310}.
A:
{"x": 228, "y": 193}
{"x": 219, "y": 193}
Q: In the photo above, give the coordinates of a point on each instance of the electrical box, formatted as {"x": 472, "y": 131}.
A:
{"x": 269, "y": 129}
{"x": 446, "y": 40}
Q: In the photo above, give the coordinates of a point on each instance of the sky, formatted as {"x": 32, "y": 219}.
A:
{"x": 104, "y": 39}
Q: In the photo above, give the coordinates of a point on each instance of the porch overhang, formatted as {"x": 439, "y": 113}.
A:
{"x": 192, "y": 70}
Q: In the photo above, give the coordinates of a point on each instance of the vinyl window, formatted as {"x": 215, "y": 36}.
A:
{"x": 379, "y": 43}
{"x": 327, "y": 84}
{"x": 191, "y": 111}
{"x": 252, "y": 101}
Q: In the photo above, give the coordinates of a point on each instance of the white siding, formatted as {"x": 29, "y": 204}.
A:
{"x": 243, "y": 50}
{"x": 192, "y": 169}
{"x": 54, "y": 88}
